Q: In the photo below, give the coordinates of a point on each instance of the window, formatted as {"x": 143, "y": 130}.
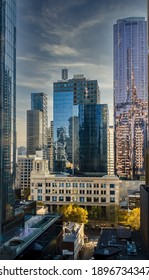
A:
{"x": 47, "y": 198}
{"x": 82, "y": 192}
{"x": 47, "y": 191}
{"x": 103, "y": 199}
{"x": 96, "y": 192}
{"x": 89, "y": 192}
{"x": 112, "y": 186}
{"x": 61, "y": 191}
{"x": 89, "y": 199}
{"x": 54, "y": 198}
{"x": 39, "y": 197}
{"x": 82, "y": 199}
{"x": 68, "y": 198}
{"x": 68, "y": 191}
{"x": 39, "y": 190}
{"x": 61, "y": 198}
{"x": 103, "y": 192}
{"x": 39, "y": 184}
{"x": 103, "y": 186}
{"x": 96, "y": 199}
{"x": 88, "y": 185}
{"x": 112, "y": 192}
{"x": 112, "y": 199}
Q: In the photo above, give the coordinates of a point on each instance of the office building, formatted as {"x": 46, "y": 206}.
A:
{"x": 25, "y": 164}
{"x": 39, "y": 102}
{"x": 144, "y": 190}
{"x": 7, "y": 112}
{"x": 34, "y": 131}
{"x": 50, "y": 146}
{"x": 93, "y": 128}
{"x": 130, "y": 96}
{"x": 56, "y": 190}
{"x": 40, "y": 238}
{"x": 110, "y": 150}
{"x": 79, "y": 126}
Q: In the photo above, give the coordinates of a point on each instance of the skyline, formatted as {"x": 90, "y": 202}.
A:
{"x": 79, "y": 37}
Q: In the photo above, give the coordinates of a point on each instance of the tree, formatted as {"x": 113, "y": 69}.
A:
{"x": 74, "y": 213}
{"x": 112, "y": 213}
{"x": 133, "y": 218}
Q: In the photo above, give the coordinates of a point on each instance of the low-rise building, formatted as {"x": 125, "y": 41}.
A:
{"x": 73, "y": 240}
{"x": 56, "y": 190}
{"x": 39, "y": 238}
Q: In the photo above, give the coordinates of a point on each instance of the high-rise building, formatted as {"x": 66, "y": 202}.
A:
{"x": 34, "y": 131}
{"x": 110, "y": 150}
{"x": 130, "y": 96}
{"x": 39, "y": 102}
{"x": 144, "y": 190}
{"x": 25, "y": 164}
{"x": 7, "y": 110}
{"x": 50, "y": 146}
{"x": 93, "y": 128}
{"x": 79, "y": 118}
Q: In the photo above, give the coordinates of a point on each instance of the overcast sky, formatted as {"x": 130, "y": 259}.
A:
{"x": 76, "y": 34}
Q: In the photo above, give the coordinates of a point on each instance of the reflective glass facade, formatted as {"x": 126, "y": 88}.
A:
{"x": 79, "y": 126}
{"x": 39, "y": 102}
{"x": 65, "y": 115}
{"x": 93, "y": 125}
{"x": 130, "y": 96}
{"x": 7, "y": 107}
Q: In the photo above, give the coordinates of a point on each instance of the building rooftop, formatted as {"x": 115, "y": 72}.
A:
{"x": 33, "y": 228}
{"x": 70, "y": 232}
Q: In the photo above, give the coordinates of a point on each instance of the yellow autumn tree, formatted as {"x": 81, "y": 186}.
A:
{"x": 74, "y": 213}
{"x": 133, "y": 218}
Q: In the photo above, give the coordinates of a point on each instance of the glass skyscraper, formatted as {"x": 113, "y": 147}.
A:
{"x": 93, "y": 128}
{"x": 79, "y": 126}
{"x": 130, "y": 96}
{"x": 7, "y": 109}
{"x": 39, "y": 102}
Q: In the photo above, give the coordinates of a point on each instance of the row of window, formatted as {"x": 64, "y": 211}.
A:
{"x": 75, "y": 199}
{"x": 76, "y": 192}
{"x": 75, "y": 185}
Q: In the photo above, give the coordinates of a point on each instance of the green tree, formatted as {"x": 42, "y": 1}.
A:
{"x": 112, "y": 213}
{"x": 74, "y": 213}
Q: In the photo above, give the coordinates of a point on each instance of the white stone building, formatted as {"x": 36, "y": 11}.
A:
{"x": 61, "y": 189}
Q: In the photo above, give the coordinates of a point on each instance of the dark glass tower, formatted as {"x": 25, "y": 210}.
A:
{"x": 93, "y": 128}
{"x": 80, "y": 126}
{"x": 130, "y": 96}
{"x": 39, "y": 102}
{"x": 7, "y": 109}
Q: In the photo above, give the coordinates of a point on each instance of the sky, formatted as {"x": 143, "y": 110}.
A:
{"x": 73, "y": 34}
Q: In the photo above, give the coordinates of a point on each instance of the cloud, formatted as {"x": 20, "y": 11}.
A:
{"x": 76, "y": 34}
{"x": 60, "y": 50}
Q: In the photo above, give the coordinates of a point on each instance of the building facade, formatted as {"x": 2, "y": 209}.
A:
{"x": 39, "y": 101}
{"x": 50, "y": 146}
{"x": 130, "y": 96}
{"x": 34, "y": 131}
{"x": 111, "y": 150}
{"x": 25, "y": 164}
{"x": 77, "y": 114}
{"x": 61, "y": 189}
{"x": 7, "y": 109}
{"x": 93, "y": 129}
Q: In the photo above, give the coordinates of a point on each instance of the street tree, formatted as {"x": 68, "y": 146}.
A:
{"x": 74, "y": 213}
{"x": 133, "y": 218}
